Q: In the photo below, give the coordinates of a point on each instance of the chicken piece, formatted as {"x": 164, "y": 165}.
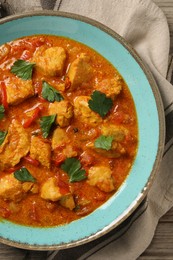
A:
{"x": 69, "y": 151}
{"x": 12, "y": 189}
{"x": 30, "y": 186}
{"x": 68, "y": 202}
{"x": 15, "y": 146}
{"x": 118, "y": 132}
{"x": 51, "y": 191}
{"x": 50, "y": 61}
{"x": 18, "y": 90}
{"x": 40, "y": 150}
{"x": 101, "y": 177}
{"x": 111, "y": 87}
{"x": 84, "y": 113}
{"x": 80, "y": 71}
{"x": 64, "y": 111}
{"x": 59, "y": 138}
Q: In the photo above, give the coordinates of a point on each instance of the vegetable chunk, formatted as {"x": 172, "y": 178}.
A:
{"x": 15, "y": 146}
{"x": 50, "y": 61}
{"x": 101, "y": 177}
{"x": 18, "y": 90}
{"x": 68, "y": 202}
{"x": 84, "y": 113}
{"x": 64, "y": 111}
{"x": 80, "y": 71}
{"x": 40, "y": 151}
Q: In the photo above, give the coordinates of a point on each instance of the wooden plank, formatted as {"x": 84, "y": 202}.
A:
{"x": 167, "y": 8}
{"x": 161, "y": 247}
{"x": 167, "y": 218}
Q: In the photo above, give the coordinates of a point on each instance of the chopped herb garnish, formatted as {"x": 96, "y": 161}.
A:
{"x": 50, "y": 93}
{"x": 2, "y": 111}
{"x": 73, "y": 168}
{"x": 2, "y": 136}
{"x": 46, "y": 123}
{"x": 23, "y": 69}
{"x": 104, "y": 142}
{"x": 100, "y": 103}
{"x": 24, "y": 175}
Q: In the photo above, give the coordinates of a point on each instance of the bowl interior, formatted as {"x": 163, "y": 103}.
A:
{"x": 150, "y": 121}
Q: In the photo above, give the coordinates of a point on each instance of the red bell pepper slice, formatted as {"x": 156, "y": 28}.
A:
{"x": 31, "y": 160}
{"x": 31, "y": 119}
{"x": 67, "y": 83}
{"x": 59, "y": 159}
{"x": 4, "y": 95}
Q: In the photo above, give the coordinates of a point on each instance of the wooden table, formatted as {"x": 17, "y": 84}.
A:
{"x": 161, "y": 246}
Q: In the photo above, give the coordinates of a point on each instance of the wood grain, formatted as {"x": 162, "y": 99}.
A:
{"x": 161, "y": 247}
{"x": 167, "y": 8}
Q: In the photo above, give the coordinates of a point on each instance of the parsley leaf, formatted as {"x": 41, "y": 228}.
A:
{"x": 50, "y": 93}
{"x": 99, "y": 103}
{"x": 24, "y": 175}
{"x": 2, "y": 136}
{"x": 73, "y": 168}
{"x": 46, "y": 123}
{"x": 23, "y": 69}
{"x": 104, "y": 142}
{"x": 2, "y": 110}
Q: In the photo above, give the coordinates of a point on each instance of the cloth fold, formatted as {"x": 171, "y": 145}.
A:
{"x": 145, "y": 27}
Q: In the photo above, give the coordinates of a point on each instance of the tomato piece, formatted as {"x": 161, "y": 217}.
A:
{"x": 26, "y": 55}
{"x": 31, "y": 160}
{"x": 67, "y": 83}
{"x": 31, "y": 119}
{"x": 64, "y": 188}
{"x": 59, "y": 159}
{"x": 118, "y": 117}
{"x": 38, "y": 87}
{"x": 4, "y": 95}
{"x": 86, "y": 159}
{"x": 5, "y": 212}
{"x": 62, "y": 185}
{"x": 37, "y": 42}
{"x": 13, "y": 169}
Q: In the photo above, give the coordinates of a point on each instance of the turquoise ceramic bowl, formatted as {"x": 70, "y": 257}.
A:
{"x": 150, "y": 120}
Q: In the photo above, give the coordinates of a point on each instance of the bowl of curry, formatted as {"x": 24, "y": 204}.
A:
{"x": 81, "y": 130}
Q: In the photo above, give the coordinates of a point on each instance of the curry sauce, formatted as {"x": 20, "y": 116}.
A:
{"x": 68, "y": 130}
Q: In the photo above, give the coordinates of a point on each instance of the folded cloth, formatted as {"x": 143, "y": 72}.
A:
{"x": 145, "y": 27}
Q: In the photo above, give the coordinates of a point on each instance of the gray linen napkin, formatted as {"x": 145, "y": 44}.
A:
{"x": 145, "y": 27}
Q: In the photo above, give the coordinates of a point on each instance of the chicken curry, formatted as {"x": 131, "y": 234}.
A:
{"x": 68, "y": 130}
